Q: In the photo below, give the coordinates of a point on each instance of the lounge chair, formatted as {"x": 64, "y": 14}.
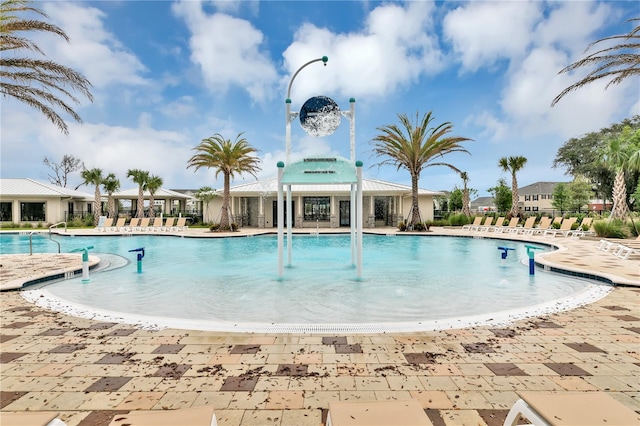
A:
{"x": 199, "y": 416}
{"x": 169, "y": 223}
{"x": 100, "y": 225}
{"x": 108, "y": 222}
{"x": 157, "y": 225}
{"x": 180, "y": 225}
{"x": 119, "y": 224}
{"x": 528, "y": 225}
{"x": 565, "y": 228}
{"x": 571, "y": 408}
{"x": 499, "y": 224}
{"x": 142, "y": 225}
{"x": 543, "y": 225}
{"x": 378, "y": 413}
{"x": 477, "y": 221}
{"x": 581, "y": 231}
{"x": 37, "y": 418}
{"x": 486, "y": 225}
{"x": 512, "y": 225}
{"x": 132, "y": 224}
{"x": 627, "y": 248}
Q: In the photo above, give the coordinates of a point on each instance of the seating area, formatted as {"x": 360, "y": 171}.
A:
{"x": 565, "y": 227}
{"x": 621, "y": 248}
{"x": 158, "y": 224}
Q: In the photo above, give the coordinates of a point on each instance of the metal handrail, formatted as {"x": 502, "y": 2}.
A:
{"x": 31, "y": 242}
{"x": 56, "y": 225}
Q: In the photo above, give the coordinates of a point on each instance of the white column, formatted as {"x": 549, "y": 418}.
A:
{"x": 289, "y": 214}
{"x": 359, "y": 231}
{"x": 280, "y": 220}
{"x": 352, "y": 222}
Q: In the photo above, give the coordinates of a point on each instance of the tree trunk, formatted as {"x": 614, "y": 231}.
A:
{"x": 140, "y": 212}
{"x": 619, "y": 209}
{"x": 466, "y": 209}
{"x": 415, "y": 208}
{"x": 225, "y": 224}
{"x": 97, "y": 206}
{"x": 111, "y": 206}
{"x": 152, "y": 210}
{"x": 515, "y": 211}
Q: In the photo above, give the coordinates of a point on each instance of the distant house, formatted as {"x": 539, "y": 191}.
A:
{"x": 537, "y": 197}
{"x": 26, "y": 200}
{"x": 483, "y": 205}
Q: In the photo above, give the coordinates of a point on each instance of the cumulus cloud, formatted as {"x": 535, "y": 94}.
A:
{"x": 482, "y": 33}
{"x": 228, "y": 51}
{"x": 92, "y": 50}
{"x": 395, "y": 47}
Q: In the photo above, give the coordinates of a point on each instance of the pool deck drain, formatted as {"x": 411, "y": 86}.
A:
{"x": 90, "y": 371}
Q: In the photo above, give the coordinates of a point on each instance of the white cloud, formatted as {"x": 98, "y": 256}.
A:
{"x": 394, "y": 49}
{"x": 92, "y": 50}
{"x": 228, "y": 51}
{"x": 486, "y": 31}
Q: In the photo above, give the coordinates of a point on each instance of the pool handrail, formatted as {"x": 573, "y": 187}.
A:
{"x": 55, "y": 225}
{"x": 40, "y": 234}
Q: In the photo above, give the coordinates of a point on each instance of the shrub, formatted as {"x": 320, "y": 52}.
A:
{"x": 459, "y": 219}
{"x": 609, "y": 229}
{"x": 439, "y": 222}
{"x": 419, "y": 226}
{"x": 214, "y": 227}
{"x": 234, "y": 226}
{"x": 402, "y": 226}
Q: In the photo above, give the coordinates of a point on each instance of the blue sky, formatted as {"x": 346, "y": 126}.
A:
{"x": 167, "y": 74}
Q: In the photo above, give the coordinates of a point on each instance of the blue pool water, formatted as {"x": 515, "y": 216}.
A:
{"x": 405, "y": 279}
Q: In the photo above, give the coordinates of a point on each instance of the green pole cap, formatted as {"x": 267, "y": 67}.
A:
{"x": 288, "y": 101}
{"x": 325, "y": 59}
{"x": 359, "y": 163}
{"x": 351, "y": 100}
{"x": 280, "y": 164}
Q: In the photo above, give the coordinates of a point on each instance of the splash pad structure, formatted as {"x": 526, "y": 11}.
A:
{"x": 320, "y": 116}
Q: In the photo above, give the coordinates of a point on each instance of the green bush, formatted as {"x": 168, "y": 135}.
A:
{"x": 440, "y": 222}
{"x": 402, "y": 226}
{"x": 459, "y": 219}
{"x": 214, "y": 227}
{"x": 609, "y": 229}
{"x": 419, "y": 226}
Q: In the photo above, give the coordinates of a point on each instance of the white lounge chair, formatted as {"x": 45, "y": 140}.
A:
{"x": 477, "y": 221}
{"x": 377, "y": 413}
{"x": 571, "y": 408}
{"x": 133, "y": 223}
{"x": 169, "y": 223}
{"x": 565, "y": 228}
{"x": 119, "y": 224}
{"x": 181, "y": 224}
{"x": 528, "y": 225}
{"x": 512, "y": 225}
{"x": 142, "y": 225}
{"x": 198, "y": 416}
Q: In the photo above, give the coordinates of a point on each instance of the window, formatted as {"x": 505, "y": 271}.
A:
{"x": 527, "y": 208}
{"x": 527, "y": 197}
{"x": 535, "y": 208}
{"x": 6, "y": 214}
{"x": 535, "y": 197}
{"x": 317, "y": 208}
{"x": 32, "y": 212}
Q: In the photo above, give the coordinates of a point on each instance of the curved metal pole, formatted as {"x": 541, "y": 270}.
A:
{"x": 323, "y": 59}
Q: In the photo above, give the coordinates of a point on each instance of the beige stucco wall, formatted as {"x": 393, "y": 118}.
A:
{"x": 55, "y": 208}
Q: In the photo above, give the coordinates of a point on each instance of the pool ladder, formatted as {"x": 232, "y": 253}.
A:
{"x": 40, "y": 234}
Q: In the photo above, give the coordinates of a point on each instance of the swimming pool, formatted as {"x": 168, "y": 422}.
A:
{"x": 408, "y": 282}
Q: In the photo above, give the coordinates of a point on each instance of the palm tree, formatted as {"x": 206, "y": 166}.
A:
{"x": 622, "y": 153}
{"x": 153, "y": 184}
{"x": 140, "y": 177}
{"x": 94, "y": 177}
{"x": 513, "y": 165}
{"x": 466, "y": 202}
{"x": 205, "y": 195}
{"x": 416, "y": 148}
{"x": 228, "y": 158}
{"x": 41, "y": 84}
{"x": 616, "y": 62}
{"x": 111, "y": 184}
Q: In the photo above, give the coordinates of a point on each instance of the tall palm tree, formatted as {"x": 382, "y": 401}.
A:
{"x": 94, "y": 177}
{"x": 140, "y": 177}
{"x": 229, "y": 158}
{"x": 205, "y": 195}
{"x": 513, "y": 165}
{"x": 466, "y": 202}
{"x": 153, "y": 184}
{"x": 616, "y": 62}
{"x": 40, "y": 83}
{"x": 416, "y": 147}
{"x": 111, "y": 184}
{"x": 622, "y": 153}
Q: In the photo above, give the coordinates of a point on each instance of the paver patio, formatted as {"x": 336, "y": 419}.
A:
{"x": 89, "y": 371}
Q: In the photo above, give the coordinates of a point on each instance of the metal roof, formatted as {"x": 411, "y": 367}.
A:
{"x": 15, "y": 187}
{"x": 368, "y": 186}
{"x": 160, "y": 193}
